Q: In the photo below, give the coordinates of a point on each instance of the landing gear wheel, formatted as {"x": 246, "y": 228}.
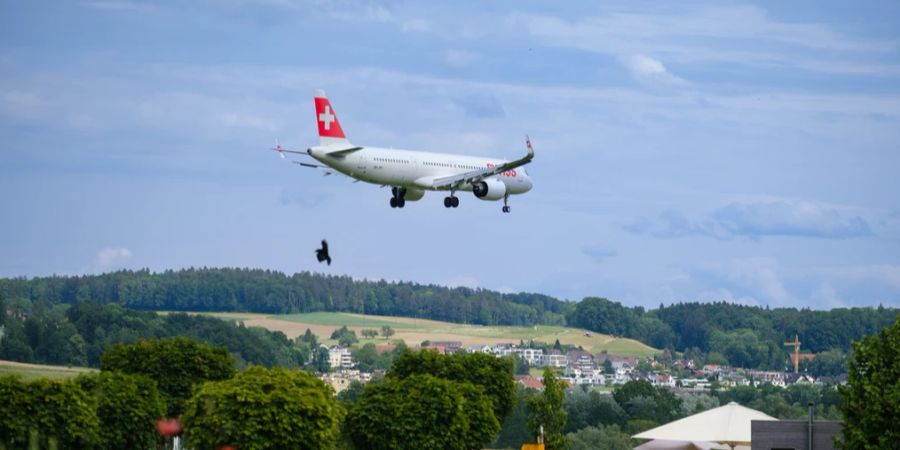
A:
{"x": 454, "y": 201}
{"x": 393, "y": 202}
{"x": 505, "y": 203}
{"x": 401, "y": 202}
{"x": 506, "y": 209}
{"x": 447, "y": 203}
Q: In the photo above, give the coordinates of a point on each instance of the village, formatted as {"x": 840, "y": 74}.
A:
{"x": 578, "y": 367}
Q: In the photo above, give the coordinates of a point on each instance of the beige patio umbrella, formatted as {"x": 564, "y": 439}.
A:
{"x": 663, "y": 444}
{"x": 729, "y": 424}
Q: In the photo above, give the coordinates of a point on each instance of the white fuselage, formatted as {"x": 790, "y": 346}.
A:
{"x": 415, "y": 170}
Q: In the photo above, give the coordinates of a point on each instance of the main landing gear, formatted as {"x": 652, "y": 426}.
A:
{"x": 506, "y": 207}
{"x": 451, "y": 201}
{"x": 399, "y": 197}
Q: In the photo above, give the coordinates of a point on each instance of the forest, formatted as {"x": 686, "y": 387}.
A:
{"x": 78, "y": 335}
{"x": 724, "y": 333}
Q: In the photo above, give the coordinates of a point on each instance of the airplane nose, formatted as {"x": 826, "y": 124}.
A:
{"x": 528, "y": 184}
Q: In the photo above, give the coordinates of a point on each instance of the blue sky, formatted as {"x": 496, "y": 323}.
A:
{"x": 746, "y": 152}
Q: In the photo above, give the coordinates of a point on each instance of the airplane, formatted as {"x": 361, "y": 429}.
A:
{"x": 411, "y": 173}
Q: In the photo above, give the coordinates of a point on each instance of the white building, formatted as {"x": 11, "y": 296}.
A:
{"x": 339, "y": 358}
{"x": 554, "y": 360}
{"x": 531, "y": 355}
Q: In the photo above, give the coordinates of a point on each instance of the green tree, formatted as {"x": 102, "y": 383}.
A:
{"x": 422, "y": 411}
{"x": 644, "y": 401}
{"x": 322, "y": 360}
{"x": 609, "y": 437}
{"x": 369, "y": 333}
{"x": 368, "y": 359}
{"x": 514, "y": 429}
{"x": 547, "y": 410}
{"x": 177, "y": 365}
{"x": 491, "y": 373}
{"x": 263, "y": 408}
{"x": 829, "y": 363}
{"x": 349, "y": 396}
{"x": 608, "y": 367}
{"x": 387, "y": 331}
{"x": 46, "y": 413}
{"x": 348, "y": 339}
{"x": 871, "y": 408}
{"x": 127, "y": 407}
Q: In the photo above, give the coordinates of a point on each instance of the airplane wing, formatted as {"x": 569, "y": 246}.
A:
{"x": 325, "y": 169}
{"x": 480, "y": 174}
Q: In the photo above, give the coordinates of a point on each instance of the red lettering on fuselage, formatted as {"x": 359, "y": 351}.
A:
{"x": 508, "y": 173}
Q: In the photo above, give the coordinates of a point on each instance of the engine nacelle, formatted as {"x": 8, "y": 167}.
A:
{"x": 489, "y": 189}
{"x": 414, "y": 194}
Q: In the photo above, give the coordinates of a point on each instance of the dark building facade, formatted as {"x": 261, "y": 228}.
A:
{"x": 793, "y": 434}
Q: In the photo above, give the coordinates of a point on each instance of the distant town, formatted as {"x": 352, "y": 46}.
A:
{"x": 582, "y": 368}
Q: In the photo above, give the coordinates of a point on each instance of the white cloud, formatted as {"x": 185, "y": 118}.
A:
{"x": 22, "y": 104}
{"x": 885, "y": 274}
{"x": 647, "y": 69}
{"x": 754, "y": 220}
{"x": 460, "y": 58}
{"x": 599, "y": 253}
{"x": 790, "y": 218}
{"x": 249, "y": 121}
{"x": 112, "y": 256}
{"x": 725, "y": 295}
{"x": 758, "y": 274}
{"x": 827, "y": 295}
{"x": 738, "y": 35}
{"x": 462, "y": 281}
{"x": 118, "y": 6}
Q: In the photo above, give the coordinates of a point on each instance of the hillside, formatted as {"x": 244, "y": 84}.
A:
{"x": 720, "y": 333}
{"x": 414, "y": 331}
{"x": 32, "y": 371}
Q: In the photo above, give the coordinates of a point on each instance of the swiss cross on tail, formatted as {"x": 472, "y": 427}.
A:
{"x": 329, "y": 127}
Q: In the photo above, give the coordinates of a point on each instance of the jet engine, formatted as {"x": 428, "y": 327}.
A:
{"x": 489, "y": 189}
{"x": 414, "y": 194}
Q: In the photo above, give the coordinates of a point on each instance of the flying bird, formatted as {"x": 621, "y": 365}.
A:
{"x": 322, "y": 253}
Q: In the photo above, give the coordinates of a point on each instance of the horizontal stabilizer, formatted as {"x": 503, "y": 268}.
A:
{"x": 342, "y": 151}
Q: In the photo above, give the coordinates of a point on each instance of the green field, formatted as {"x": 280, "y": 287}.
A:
{"x": 341, "y": 319}
{"x": 33, "y": 371}
{"x": 414, "y": 331}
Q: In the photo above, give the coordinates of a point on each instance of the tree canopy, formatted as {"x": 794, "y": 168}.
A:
{"x": 44, "y": 413}
{"x": 422, "y": 411}
{"x": 127, "y": 407}
{"x": 546, "y": 411}
{"x": 871, "y": 408}
{"x": 263, "y": 408}
{"x": 494, "y": 375}
{"x": 176, "y": 365}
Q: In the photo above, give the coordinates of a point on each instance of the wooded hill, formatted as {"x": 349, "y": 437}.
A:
{"x": 739, "y": 335}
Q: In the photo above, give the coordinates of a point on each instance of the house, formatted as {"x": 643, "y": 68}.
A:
{"x": 662, "y": 380}
{"x": 339, "y": 358}
{"x": 554, "y": 359}
{"x": 529, "y": 381}
{"x": 341, "y": 380}
{"x": 531, "y": 355}
{"x": 447, "y": 346}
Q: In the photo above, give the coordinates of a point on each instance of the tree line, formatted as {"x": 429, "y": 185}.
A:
{"x": 425, "y": 400}
{"x": 269, "y": 291}
{"x": 722, "y": 333}
{"x": 79, "y": 334}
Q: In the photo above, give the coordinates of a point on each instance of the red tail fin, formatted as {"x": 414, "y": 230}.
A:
{"x": 330, "y": 131}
